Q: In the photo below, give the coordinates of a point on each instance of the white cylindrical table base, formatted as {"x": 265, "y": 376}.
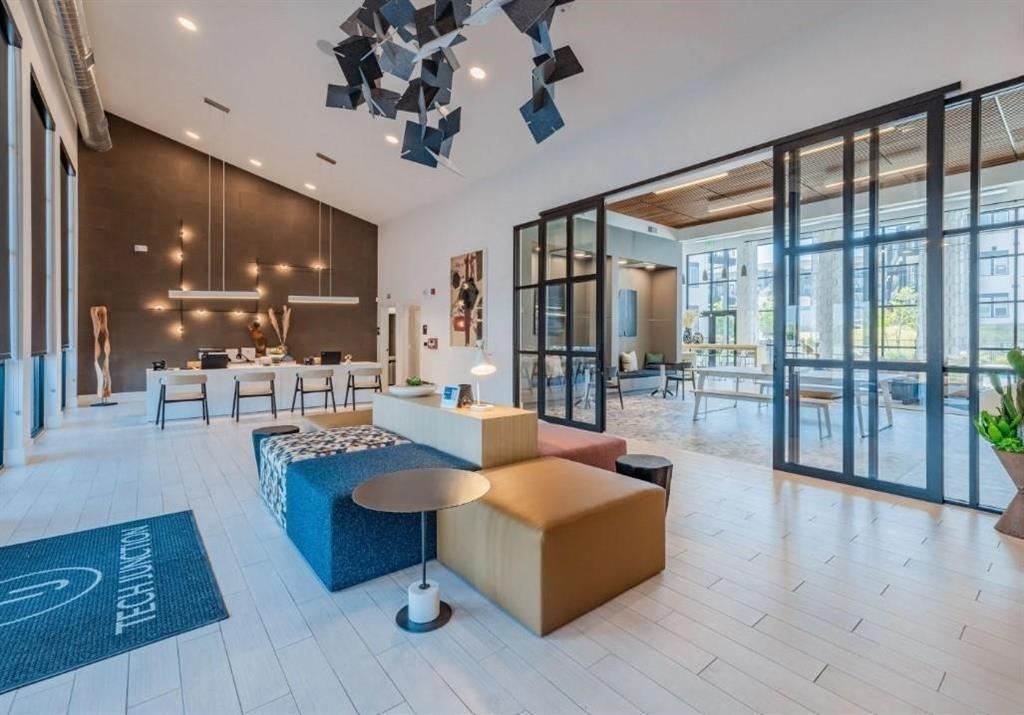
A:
{"x": 424, "y": 603}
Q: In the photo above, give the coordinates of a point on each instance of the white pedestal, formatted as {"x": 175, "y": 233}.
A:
{"x": 424, "y": 603}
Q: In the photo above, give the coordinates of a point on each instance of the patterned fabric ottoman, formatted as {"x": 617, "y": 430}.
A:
{"x": 344, "y": 543}
{"x": 277, "y": 453}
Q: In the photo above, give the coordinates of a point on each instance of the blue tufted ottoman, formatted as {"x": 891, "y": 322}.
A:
{"x": 344, "y": 543}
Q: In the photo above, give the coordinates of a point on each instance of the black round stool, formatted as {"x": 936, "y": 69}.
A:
{"x": 649, "y": 468}
{"x": 261, "y": 433}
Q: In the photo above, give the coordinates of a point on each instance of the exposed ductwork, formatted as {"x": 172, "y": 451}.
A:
{"x": 69, "y": 39}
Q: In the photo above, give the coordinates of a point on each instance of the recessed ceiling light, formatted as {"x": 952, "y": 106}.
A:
{"x": 391, "y": 139}
{"x": 477, "y": 72}
{"x": 191, "y": 135}
{"x": 310, "y": 186}
{"x": 187, "y": 23}
{"x": 255, "y": 162}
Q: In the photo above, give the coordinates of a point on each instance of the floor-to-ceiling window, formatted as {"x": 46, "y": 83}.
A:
{"x": 711, "y": 292}
{"x": 7, "y": 41}
{"x": 68, "y": 197}
{"x": 40, "y": 181}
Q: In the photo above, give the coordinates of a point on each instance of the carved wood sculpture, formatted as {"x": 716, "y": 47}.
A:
{"x": 101, "y": 350}
{"x": 259, "y": 340}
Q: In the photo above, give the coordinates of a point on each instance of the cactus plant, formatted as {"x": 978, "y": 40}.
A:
{"x": 1003, "y": 429}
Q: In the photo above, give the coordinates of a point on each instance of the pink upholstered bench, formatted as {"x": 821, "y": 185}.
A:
{"x": 593, "y": 448}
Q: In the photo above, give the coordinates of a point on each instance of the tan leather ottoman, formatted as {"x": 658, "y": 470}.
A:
{"x": 554, "y": 539}
{"x": 331, "y": 420}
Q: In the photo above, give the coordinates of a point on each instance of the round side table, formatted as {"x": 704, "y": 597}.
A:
{"x": 421, "y": 490}
{"x": 649, "y": 468}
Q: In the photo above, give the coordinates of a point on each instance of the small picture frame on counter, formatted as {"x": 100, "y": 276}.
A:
{"x": 450, "y": 396}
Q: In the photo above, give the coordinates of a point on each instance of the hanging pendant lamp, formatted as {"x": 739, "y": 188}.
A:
{"x": 320, "y": 298}
{"x": 210, "y": 293}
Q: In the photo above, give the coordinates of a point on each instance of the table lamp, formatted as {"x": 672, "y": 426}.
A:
{"x": 481, "y": 368}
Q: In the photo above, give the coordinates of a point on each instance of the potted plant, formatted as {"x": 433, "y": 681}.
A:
{"x": 1003, "y": 431}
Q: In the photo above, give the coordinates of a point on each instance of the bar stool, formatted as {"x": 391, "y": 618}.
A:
{"x": 311, "y": 382}
{"x": 354, "y": 387}
{"x": 253, "y": 384}
{"x": 190, "y": 395}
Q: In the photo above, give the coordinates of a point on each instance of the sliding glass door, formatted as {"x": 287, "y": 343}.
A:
{"x": 858, "y": 384}
{"x": 559, "y": 334}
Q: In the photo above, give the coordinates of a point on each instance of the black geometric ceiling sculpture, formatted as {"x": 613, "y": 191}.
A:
{"x": 416, "y": 46}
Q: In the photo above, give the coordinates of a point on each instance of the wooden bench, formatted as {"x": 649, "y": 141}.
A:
{"x": 819, "y": 401}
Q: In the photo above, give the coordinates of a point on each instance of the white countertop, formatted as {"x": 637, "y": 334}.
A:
{"x": 220, "y": 387}
{"x": 254, "y": 366}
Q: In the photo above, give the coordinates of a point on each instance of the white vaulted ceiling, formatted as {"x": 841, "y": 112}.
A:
{"x": 261, "y": 59}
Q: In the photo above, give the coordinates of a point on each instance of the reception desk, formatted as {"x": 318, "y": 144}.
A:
{"x": 220, "y": 389}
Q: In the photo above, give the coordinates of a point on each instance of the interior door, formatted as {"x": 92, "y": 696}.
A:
{"x": 858, "y": 349}
{"x": 560, "y": 312}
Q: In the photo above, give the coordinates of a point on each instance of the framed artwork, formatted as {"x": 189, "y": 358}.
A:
{"x": 466, "y": 299}
{"x": 627, "y": 313}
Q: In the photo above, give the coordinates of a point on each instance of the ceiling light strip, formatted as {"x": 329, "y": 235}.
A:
{"x": 716, "y": 209}
{"x": 890, "y": 172}
{"x": 695, "y": 182}
{"x": 832, "y": 145}
{"x": 213, "y": 295}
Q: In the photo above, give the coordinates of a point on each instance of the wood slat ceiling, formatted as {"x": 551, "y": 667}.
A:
{"x": 746, "y": 190}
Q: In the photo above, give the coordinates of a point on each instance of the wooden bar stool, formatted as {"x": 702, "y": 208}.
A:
{"x": 196, "y": 392}
{"x": 353, "y": 386}
{"x": 253, "y": 384}
{"x": 312, "y": 382}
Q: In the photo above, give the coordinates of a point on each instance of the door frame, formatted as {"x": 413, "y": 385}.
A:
{"x": 599, "y": 277}
{"x": 787, "y": 255}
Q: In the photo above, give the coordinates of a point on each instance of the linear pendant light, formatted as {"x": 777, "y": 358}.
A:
{"x": 212, "y": 294}
{"x": 320, "y": 298}
{"x": 324, "y": 299}
{"x": 223, "y": 293}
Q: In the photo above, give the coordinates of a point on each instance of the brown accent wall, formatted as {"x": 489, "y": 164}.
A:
{"x": 139, "y": 191}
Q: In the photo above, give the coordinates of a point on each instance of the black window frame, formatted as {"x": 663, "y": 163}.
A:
{"x": 10, "y": 41}
{"x": 38, "y": 395}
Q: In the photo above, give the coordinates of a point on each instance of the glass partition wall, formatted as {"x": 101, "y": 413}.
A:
{"x": 904, "y": 297}
{"x": 559, "y": 317}
{"x": 897, "y": 254}
{"x": 853, "y": 268}
{"x": 983, "y": 247}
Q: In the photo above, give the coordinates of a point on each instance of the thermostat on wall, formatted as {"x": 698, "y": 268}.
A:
{"x": 141, "y": 248}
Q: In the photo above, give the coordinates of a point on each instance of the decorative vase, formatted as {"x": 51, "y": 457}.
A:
{"x": 687, "y": 335}
{"x": 1011, "y": 522}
